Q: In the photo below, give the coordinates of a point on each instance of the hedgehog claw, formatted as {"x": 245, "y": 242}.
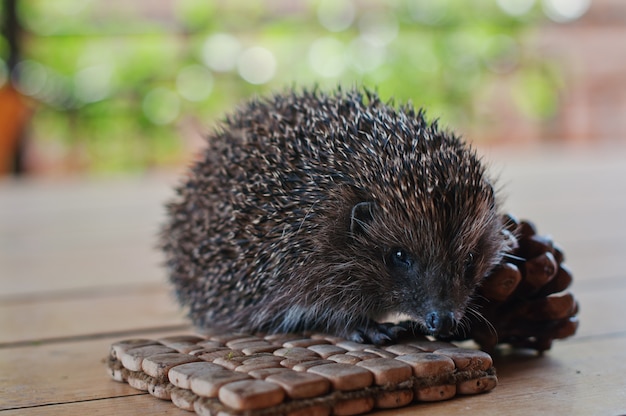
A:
{"x": 377, "y": 333}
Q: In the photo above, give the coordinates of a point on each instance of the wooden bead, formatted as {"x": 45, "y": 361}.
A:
{"x": 305, "y": 365}
{"x": 117, "y": 348}
{"x": 387, "y": 370}
{"x": 263, "y": 373}
{"x": 467, "y": 360}
{"x": 158, "y": 390}
{"x": 177, "y": 339}
{"x": 306, "y": 342}
{"x": 478, "y": 385}
{"x": 137, "y": 381}
{"x": 259, "y": 348}
{"x": 226, "y": 354}
{"x": 353, "y": 346}
{"x": 393, "y": 399}
{"x": 182, "y": 399}
{"x": 363, "y": 355}
{"x": 233, "y": 362}
{"x": 210, "y": 344}
{"x": 300, "y": 385}
{"x": 353, "y": 406}
{"x": 326, "y": 350}
{"x": 270, "y": 361}
{"x": 428, "y": 364}
{"x": 435, "y": 393}
{"x": 430, "y": 346}
{"x": 280, "y": 338}
{"x": 344, "y": 359}
{"x": 344, "y": 376}
{"x": 251, "y": 347}
{"x": 251, "y": 394}
{"x": 132, "y": 358}
{"x": 158, "y": 365}
{"x": 116, "y": 374}
{"x": 243, "y": 340}
{"x": 330, "y": 338}
{"x": 181, "y": 375}
{"x": 208, "y": 382}
{"x": 181, "y": 343}
{"x": 380, "y": 352}
{"x": 296, "y": 353}
{"x": 207, "y": 350}
{"x": 227, "y": 337}
{"x": 402, "y": 349}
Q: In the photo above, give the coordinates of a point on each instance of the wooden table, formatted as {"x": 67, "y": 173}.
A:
{"x": 78, "y": 271}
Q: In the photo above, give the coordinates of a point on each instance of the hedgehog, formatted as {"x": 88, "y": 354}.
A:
{"x": 332, "y": 211}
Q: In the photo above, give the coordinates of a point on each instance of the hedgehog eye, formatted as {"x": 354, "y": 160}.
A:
{"x": 469, "y": 266}
{"x": 400, "y": 258}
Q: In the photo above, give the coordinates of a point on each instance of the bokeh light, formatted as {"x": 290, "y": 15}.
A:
{"x": 256, "y": 65}
{"x": 366, "y": 56}
{"x": 161, "y": 106}
{"x": 562, "y": 11}
{"x": 336, "y": 15}
{"x": 503, "y": 54}
{"x": 378, "y": 29}
{"x": 93, "y": 83}
{"x": 428, "y": 12}
{"x": 516, "y": 7}
{"x": 220, "y": 52}
{"x": 327, "y": 57}
{"x": 32, "y": 77}
{"x": 194, "y": 83}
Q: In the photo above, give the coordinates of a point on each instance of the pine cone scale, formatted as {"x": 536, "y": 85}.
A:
{"x": 523, "y": 302}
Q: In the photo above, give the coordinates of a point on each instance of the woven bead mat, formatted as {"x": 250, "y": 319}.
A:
{"x": 296, "y": 374}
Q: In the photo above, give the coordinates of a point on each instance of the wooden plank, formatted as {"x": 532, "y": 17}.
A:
{"x": 60, "y": 241}
{"x": 127, "y": 309}
{"x": 80, "y": 234}
{"x": 585, "y": 377}
{"x": 70, "y": 228}
{"x": 89, "y": 312}
{"x": 576, "y": 195}
{"x": 602, "y": 311}
{"x": 119, "y": 406}
{"x": 67, "y": 372}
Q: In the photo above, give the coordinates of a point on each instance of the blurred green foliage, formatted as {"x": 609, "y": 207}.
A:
{"x": 114, "y": 81}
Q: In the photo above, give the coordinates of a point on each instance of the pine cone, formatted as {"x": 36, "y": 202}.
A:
{"x": 524, "y": 301}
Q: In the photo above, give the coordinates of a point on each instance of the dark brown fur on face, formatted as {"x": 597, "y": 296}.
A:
{"x": 329, "y": 212}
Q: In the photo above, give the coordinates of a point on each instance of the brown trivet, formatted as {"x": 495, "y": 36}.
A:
{"x": 297, "y": 374}
{"x": 524, "y": 302}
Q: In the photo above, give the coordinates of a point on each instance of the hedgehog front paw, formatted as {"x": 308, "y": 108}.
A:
{"x": 376, "y": 333}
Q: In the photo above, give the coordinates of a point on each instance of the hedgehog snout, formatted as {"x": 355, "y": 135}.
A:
{"x": 440, "y": 323}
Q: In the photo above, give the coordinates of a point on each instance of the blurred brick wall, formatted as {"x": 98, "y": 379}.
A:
{"x": 592, "y": 51}
{"x": 590, "y": 54}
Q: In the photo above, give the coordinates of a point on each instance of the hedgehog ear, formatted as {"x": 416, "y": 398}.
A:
{"x": 361, "y": 215}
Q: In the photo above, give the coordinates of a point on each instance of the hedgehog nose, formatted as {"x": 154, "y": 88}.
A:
{"x": 440, "y": 323}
